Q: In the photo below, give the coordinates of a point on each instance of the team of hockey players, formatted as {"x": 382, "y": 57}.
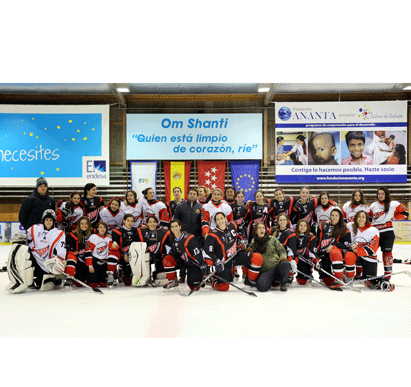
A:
{"x": 273, "y": 240}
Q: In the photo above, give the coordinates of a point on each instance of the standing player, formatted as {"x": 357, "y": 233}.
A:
{"x": 76, "y": 251}
{"x": 216, "y": 204}
{"x": 203, "y": 194}
{"x": 41, "y": 263}
{"x": 130, "y": 206}
{"x": 172, "y": 205}
{"x": 304, "y": 207}
{"x": 185, "y": 251}
{"x": 357, "y": 203}
{"x": 258, "y": 211}
{"x": 70, "y": 212}
{"x": 324, "y": 208}
{"x": 92, "y": 204}
{"x": 220, "y": 245}
{"x": 281, "y": 204}
{"x": 150, "y": 206}
{"x": 112, "y": 215}
{"x": 382, "y": 212}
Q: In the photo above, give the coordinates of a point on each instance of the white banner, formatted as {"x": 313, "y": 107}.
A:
{"x": 143, "y": 175}
{"x": 341, "y": 142}
{"x": 194, "y": 136}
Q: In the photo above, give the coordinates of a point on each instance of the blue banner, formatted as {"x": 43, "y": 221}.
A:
{"x": 245, "y": 176}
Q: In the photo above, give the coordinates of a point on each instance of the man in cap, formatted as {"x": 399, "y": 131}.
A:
{"x": 34, "y": 206}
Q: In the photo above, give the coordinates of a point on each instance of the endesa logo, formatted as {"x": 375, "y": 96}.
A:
{"x": 96, "y": 169}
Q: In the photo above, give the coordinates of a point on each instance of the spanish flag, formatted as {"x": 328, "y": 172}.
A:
{"x": 176, "y": 174}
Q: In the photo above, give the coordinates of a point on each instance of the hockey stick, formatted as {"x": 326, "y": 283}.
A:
{"x": 319, "y": 282}
{"x": 81, "y": 283}
{"x": 404, "y": 261}
{"x": 230, "y": 283}
{"x": 359, "y": 281}
{"x": 341, "y": 283}
{"x": 207, "y": 278}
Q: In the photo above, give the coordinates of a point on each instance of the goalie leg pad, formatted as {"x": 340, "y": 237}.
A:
{"x": 19, "y": 269}
{"x": 139, "y": 263}
{"x": 161, "y": 279}
{"x": 47, "y": 283}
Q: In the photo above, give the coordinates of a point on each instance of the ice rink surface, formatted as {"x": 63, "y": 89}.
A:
{"x": 301, "y": 322}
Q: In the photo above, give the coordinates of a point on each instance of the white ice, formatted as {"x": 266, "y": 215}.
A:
{"x": 127, "y": 312}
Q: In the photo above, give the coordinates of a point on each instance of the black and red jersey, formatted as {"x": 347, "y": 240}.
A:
{"x": 239, "y": 213}
{"x": 287, "y": 239}
{"x": 157, "y": 243}
{"x": 124, "y": 237}
{"x": 307, "y": 245}
{"x": 256, "y": 213}
{"x": 221, "y": 244}
{"x": 280, "y": 207}
{"x": 76, "y": 246}
{"x": 91, "y": 208}
{"x": 326, "y": 239}
{"x": 305, "y": 210}
{"x": 186, "y": 247}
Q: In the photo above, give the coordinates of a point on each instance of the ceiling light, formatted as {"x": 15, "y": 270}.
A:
{"x": 123, "y": 89}
{"x": 263, "y": 89}
{"x": 407, "y": 88}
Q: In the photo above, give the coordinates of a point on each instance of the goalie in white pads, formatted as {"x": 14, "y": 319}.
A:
{"x": 40, "y": 264}
{"x": 140, "y": 264}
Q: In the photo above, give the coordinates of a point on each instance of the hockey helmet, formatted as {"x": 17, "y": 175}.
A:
{"x": 48, "y": 214}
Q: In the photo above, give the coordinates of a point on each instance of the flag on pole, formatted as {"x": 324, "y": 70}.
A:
{"x": 176, "y": 174}
{"x": 143, "y": 175}
{"x": 211, "y": 174}
{"x": 245, "y": 176}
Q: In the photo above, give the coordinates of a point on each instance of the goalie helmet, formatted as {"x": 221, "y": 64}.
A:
{"x": 49, "y": 214}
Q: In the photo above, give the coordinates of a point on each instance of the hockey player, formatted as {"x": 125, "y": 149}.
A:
{"x": 306, "y": 247}
{"x": 220, "y": 245}
{"x": 275, "y": 266}
{"x": 382, "y": 212}
{"x": 112, "y": 215}
{"x": 40, "y": 264}
{"x": 156, "y": 238}
{"x": 281, "y": 204}
{"x": 365, "y": 244}
{"x": 151, "y": 206}
{"x": 287, "y": 238}
{"x": 229, "y": 195}
{"x": 239, "y": 212}
{"x": 76, "y": 251}
{"x": 70, "y": 212}
{"x": 92, "y": 204}
{"x": 216, "y": 204}
{"x": 304, "y": 207}
{"x": 124, "y": 236}
{"x": 324, "y": 208}
{"x": 184, "y": 251}
{"x": 172, "y": 205}
{"x": 203, "y": 194}
{"x": 357, "y": 203}
{"x": 258, "y": 211}
{"x": 130, "y": 206}
{"x": 101, "y": 266}
{"x": 333, "y": 243}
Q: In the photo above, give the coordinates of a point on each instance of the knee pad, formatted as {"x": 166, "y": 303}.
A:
{"x": 350, "y": 258}
{"x": 301, "y": 281}
{"x": 169, "y": 261}
{"x": 335, "y": 254}
{"x": 256, "y": 260}
{"x": 329, "y": 281}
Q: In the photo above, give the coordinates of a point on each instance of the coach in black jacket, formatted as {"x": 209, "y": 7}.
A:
{"x": 33, "y": 207}
{"x": 189, "y": 213}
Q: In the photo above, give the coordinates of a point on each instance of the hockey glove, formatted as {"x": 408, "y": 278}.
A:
{"x": 205, "y": 269}
{"x": 317, "y": 265}
{"x": 66, "y": 209}
{"x": 293, "y": 266}
{"x": 66, "y": 225}
{"x": 218, "y": 266}
{"x": 55, "y": 265}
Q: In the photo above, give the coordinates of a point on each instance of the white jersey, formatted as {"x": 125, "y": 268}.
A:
{"x": 45, "y": 244}
{"x": 208, "y": 214}
{"x": 72, "y": 217}
{"x": 367, "y": 239}
{"x": 323, "y": 214}
{"x": 383, "y": 220}
{"x": 350, "y": 212}
{"x": 99, "y": 248}
{"x": 113, "y": 220}
{"x": 157, "y": 209}
{"x": 134, "y": 210}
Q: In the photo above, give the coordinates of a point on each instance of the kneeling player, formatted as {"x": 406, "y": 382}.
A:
{"x": 185, "y": 251}
{"x": 40, "y": 264}
{"x": 306, "y": 244}
{"x": 220, "y": 245}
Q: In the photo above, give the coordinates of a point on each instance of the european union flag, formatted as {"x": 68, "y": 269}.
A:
{"x": 245, "y": 176}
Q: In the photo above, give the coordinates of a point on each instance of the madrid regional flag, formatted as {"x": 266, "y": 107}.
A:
{"x": 211, "y": 174}
{"x": 245, "y": 176}
{"x": 176, "y": 174}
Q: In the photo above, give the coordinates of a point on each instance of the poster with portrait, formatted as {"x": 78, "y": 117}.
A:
{"x": 341, "y": 142}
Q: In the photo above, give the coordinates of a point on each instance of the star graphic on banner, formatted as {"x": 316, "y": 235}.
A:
{"x": 208, "y": 173}
{"x": 247, "y": 183}
{"x": 214, "y": 170}
{"x": 214, "y": 186}
{"x": 207, "y": 182}
{"x": 214, "y": 178}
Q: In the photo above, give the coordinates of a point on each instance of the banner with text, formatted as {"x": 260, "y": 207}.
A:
{"x": 194, "y": 136}
{"x": 341, "y": 142}
{"x": 67, "y": 145}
